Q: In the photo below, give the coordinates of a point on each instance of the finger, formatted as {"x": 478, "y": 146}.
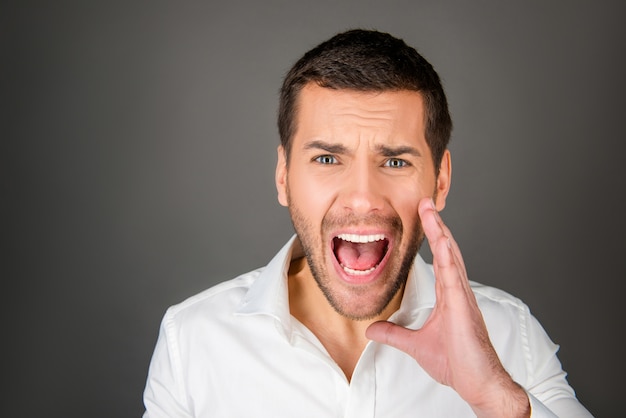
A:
{"x": 445, "y": 249}
{"x": 434, "y": 227}
{"x": 393, "y": 335}
{"x": 447, "y": 260}
{"x": 449, "y": 273}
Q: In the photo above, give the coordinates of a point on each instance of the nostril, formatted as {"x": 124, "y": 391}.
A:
{"x": 363, "y": 202}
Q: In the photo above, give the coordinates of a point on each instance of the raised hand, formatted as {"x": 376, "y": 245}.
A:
{"x": 453, "y": 345}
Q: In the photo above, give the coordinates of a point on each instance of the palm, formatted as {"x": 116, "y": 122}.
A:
{"x": 453, "y": 345}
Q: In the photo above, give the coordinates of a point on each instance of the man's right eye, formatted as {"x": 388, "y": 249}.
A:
{"x": 326, "y": 159}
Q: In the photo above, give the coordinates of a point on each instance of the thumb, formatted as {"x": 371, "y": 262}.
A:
{"x": 391, "y": 334}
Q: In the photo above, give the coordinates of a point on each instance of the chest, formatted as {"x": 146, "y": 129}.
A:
{"x": 273, "y": 379}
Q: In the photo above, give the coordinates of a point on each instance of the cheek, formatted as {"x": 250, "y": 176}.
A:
{"x": 406, "y": 204}
{"x": 312, "y": 197}
{"x": 409, "y": 215}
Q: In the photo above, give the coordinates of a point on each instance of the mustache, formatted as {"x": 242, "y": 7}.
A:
{"x": 351, "y": 220}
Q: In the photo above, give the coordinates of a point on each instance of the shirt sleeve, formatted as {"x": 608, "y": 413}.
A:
{"x": 549, "y": 391}
{"x": 164, "y": 395}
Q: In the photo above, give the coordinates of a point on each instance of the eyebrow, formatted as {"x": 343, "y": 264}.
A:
{"x": 325, "y": 146}
{"x": 384, "y": 150}
{"x": 390, "y": 151}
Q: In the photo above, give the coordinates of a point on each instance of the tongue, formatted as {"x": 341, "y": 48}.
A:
{"x": 358, "y": 256}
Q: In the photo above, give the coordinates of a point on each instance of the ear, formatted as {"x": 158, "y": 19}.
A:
{"x": 281, "y": 176}
{"x": 443, "y": 181}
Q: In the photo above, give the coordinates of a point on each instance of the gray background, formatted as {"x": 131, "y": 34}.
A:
{"x": 138, "y": 150}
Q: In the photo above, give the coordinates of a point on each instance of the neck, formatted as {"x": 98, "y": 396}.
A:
{"x": 343, "y": 337}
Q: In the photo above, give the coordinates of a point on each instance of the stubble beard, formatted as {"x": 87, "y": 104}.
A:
{"x": 398, "y": 265}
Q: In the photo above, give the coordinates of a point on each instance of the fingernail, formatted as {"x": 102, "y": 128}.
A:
{"x": 432, "y": 204}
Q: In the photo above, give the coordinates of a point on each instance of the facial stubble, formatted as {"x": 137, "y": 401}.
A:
{"x": 394, "y": 279}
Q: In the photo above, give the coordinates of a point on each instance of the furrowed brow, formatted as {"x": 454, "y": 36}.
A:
{"x": 389, "y": 151}
{"x": 327, "y": 147}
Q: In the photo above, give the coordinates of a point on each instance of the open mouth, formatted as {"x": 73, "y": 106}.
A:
{"x": 360, "y": 255}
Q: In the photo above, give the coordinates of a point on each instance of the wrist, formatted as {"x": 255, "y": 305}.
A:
{"x": 509, "y": 400}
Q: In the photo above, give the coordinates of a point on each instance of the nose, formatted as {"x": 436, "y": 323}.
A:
{"x": 362, "y": 190}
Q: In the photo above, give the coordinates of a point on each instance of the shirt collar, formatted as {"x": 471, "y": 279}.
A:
{"x": 419, "y": 296}
{"x": 268, "y": 295}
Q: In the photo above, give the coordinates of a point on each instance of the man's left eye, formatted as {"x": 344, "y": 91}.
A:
{"x": 395, "y": 163}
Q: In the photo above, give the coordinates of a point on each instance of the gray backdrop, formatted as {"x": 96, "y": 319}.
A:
{"x": 138, "y": 150}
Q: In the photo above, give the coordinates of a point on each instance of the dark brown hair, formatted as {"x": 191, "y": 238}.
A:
{"x": 365, "y": 60}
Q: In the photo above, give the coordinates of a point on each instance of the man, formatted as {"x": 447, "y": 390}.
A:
{"x": 347, "y": 320}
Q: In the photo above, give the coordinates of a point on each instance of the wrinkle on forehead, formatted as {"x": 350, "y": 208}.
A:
{"x": 372, "y": 117}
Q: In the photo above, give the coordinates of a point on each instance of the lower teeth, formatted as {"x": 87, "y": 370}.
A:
{"x": 358, "y": 272}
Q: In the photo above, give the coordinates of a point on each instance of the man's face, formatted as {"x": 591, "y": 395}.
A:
{"x": 358, "y": 167}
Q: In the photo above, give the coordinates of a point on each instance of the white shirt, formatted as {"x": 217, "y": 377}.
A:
{"x": 234, "y": 350}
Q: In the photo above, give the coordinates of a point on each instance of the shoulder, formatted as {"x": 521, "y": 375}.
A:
{"x": 524, "y": 347}
{"x": 488, "y": 295}
{"x": 223, "y": 298}
{"x": 505, "y": 315}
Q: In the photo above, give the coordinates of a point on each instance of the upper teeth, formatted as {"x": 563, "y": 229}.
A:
{"x": 361, "y": 238}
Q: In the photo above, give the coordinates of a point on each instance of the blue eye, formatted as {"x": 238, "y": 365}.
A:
{"x": 326, "y": 159}
{"x": 395, "y": 163}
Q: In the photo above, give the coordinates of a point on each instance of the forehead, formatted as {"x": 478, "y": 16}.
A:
{"x": 388, "y": 115}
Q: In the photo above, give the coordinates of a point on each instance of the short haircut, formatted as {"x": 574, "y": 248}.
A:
{"x": 368, "y": 61}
